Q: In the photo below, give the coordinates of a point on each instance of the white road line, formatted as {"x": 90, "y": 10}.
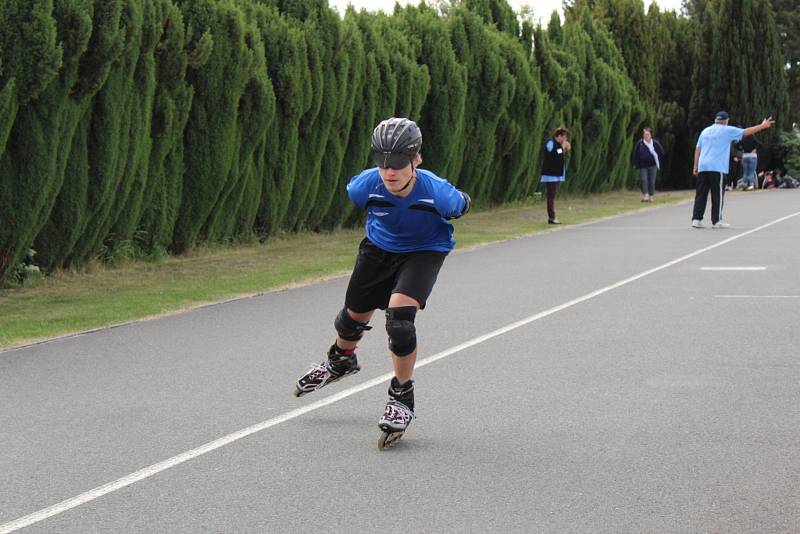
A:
{"x": 753, "y": 268}
{"x": 154, "y": 469}
{"x": 757, "y": 296}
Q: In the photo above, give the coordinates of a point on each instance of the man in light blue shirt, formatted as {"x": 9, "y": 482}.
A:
{"x": 711, "y": 159}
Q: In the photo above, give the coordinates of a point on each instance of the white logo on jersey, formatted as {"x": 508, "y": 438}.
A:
{"x": 373, "y": 195}
{"x": 428, "y": 200}
{"x": 380, "y": 213}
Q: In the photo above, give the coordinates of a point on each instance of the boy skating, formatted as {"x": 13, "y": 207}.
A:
{"x": 407, "y": 240}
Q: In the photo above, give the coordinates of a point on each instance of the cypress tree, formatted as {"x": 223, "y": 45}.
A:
{"x": 255, "y": 114}
{"x": 562, "y": 81}
{"x": 38, "y": 147}
{"x": 365, "y": 115}
{"x": 144, "y": 83}
{"x": 320, "y": 30}
{"x": 497, "y": 13}
{"x": 349, "y": 59}
{"x": 29, "y": 61}
{"x": 395, "y": 85}
{"x": 260, "y": 105}
{"x": 83, "y": 203}
{"x": 627, "y": 22}
{"x": 552, "y": 76}
{"x": 702, "y": 102}
{"x": 674, "y": 53}
{"x": 413, "y": 79}
{"x": 490, "y": 88}
{"x": 211, "y": 138}
{"x": 442, "y": 116}
{"x": 69, "y": 215}
{"x": 767, "y": 70}
{"x": 555, "y": 31}
{"x": 739, "y": 65}
{"x": 8, "y": 99}
{"x": 118, "y": 139}
{"x": 787, "y": 22}
{"x": 520, "y": 130}
{"x": 29, "y": 52}
{"x": 8, "y": 107}
{"x": 171, "y": 106}
{"x": 601, "y": 151}
{"x": 285, "y": 50}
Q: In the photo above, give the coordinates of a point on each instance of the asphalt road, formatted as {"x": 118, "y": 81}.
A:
{"x": 609, "y": 377}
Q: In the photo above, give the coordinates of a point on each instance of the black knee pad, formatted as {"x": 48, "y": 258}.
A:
{"x": 348, "y": 328}
{"x": 401, "y": 330}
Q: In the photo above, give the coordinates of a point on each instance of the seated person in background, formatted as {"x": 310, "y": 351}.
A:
{"x": 770, "y": 181}
{"x": 790, "y": 183}
{"x": 759, "y": 181}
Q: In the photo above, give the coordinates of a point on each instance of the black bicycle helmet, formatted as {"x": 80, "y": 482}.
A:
{"x": 395, "y": 143}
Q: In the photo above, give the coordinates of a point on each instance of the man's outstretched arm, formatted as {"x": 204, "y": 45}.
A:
{"x": 765, "y": 124}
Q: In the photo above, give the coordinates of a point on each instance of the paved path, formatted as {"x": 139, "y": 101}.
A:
{"x": 610, "y": 377}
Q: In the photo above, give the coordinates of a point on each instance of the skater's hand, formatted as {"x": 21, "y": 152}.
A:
{"x": 566, "y": 146}
{"x": 768, "y": 122}
{"x": 695, "y": 171}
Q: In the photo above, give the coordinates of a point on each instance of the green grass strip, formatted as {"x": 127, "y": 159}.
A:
{"x": 66, "y": 303}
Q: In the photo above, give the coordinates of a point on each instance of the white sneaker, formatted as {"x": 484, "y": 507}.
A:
{"x": 721, "y": 224}
{"x": 697, "y": 223}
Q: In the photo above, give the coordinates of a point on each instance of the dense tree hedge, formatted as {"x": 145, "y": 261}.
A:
{"x": 149, "y": 126}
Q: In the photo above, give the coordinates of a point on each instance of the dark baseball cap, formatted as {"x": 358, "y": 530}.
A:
{"x": 722, "y": 116}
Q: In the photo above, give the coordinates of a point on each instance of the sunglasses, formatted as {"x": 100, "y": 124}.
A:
{"x": 388, "y": 160}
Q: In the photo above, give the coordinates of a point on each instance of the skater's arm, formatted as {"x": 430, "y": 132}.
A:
{"x": 454, "y": 202}
{"x": 360, "y": 186}
{"x": 467, "y": 204}
{"x": 696, "y": 159}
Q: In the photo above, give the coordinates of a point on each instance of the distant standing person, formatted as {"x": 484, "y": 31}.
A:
{"x": 553, "y": 170}
{"x": 647, "y": 156}
{"x": 750, "y": 146}
{"x": 735, "y": 166}
{"x": 711, "y": 160}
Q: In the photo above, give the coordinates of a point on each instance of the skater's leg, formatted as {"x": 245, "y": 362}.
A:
{"x": 399, "y": 410}
{"x": 350, "y": 330}
{"x": 414, "y": 284}
{"x": 341, "y": 360}
{"x": 402, "y": 336}
{"x": 404, "y": 367}
{"x": 350, "y": 327}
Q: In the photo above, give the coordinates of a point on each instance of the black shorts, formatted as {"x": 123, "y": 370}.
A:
{"x": 378, "y": 274}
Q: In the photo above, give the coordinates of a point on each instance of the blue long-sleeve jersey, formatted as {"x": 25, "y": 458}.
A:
{"x": 415, "y": 222}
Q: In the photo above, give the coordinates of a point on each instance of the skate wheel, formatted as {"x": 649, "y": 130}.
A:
{"x": 388, "y": 439}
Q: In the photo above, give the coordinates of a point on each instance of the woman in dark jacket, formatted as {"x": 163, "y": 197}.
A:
{"x": 553, "y": 168}
{"x": 647, "y": 156}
